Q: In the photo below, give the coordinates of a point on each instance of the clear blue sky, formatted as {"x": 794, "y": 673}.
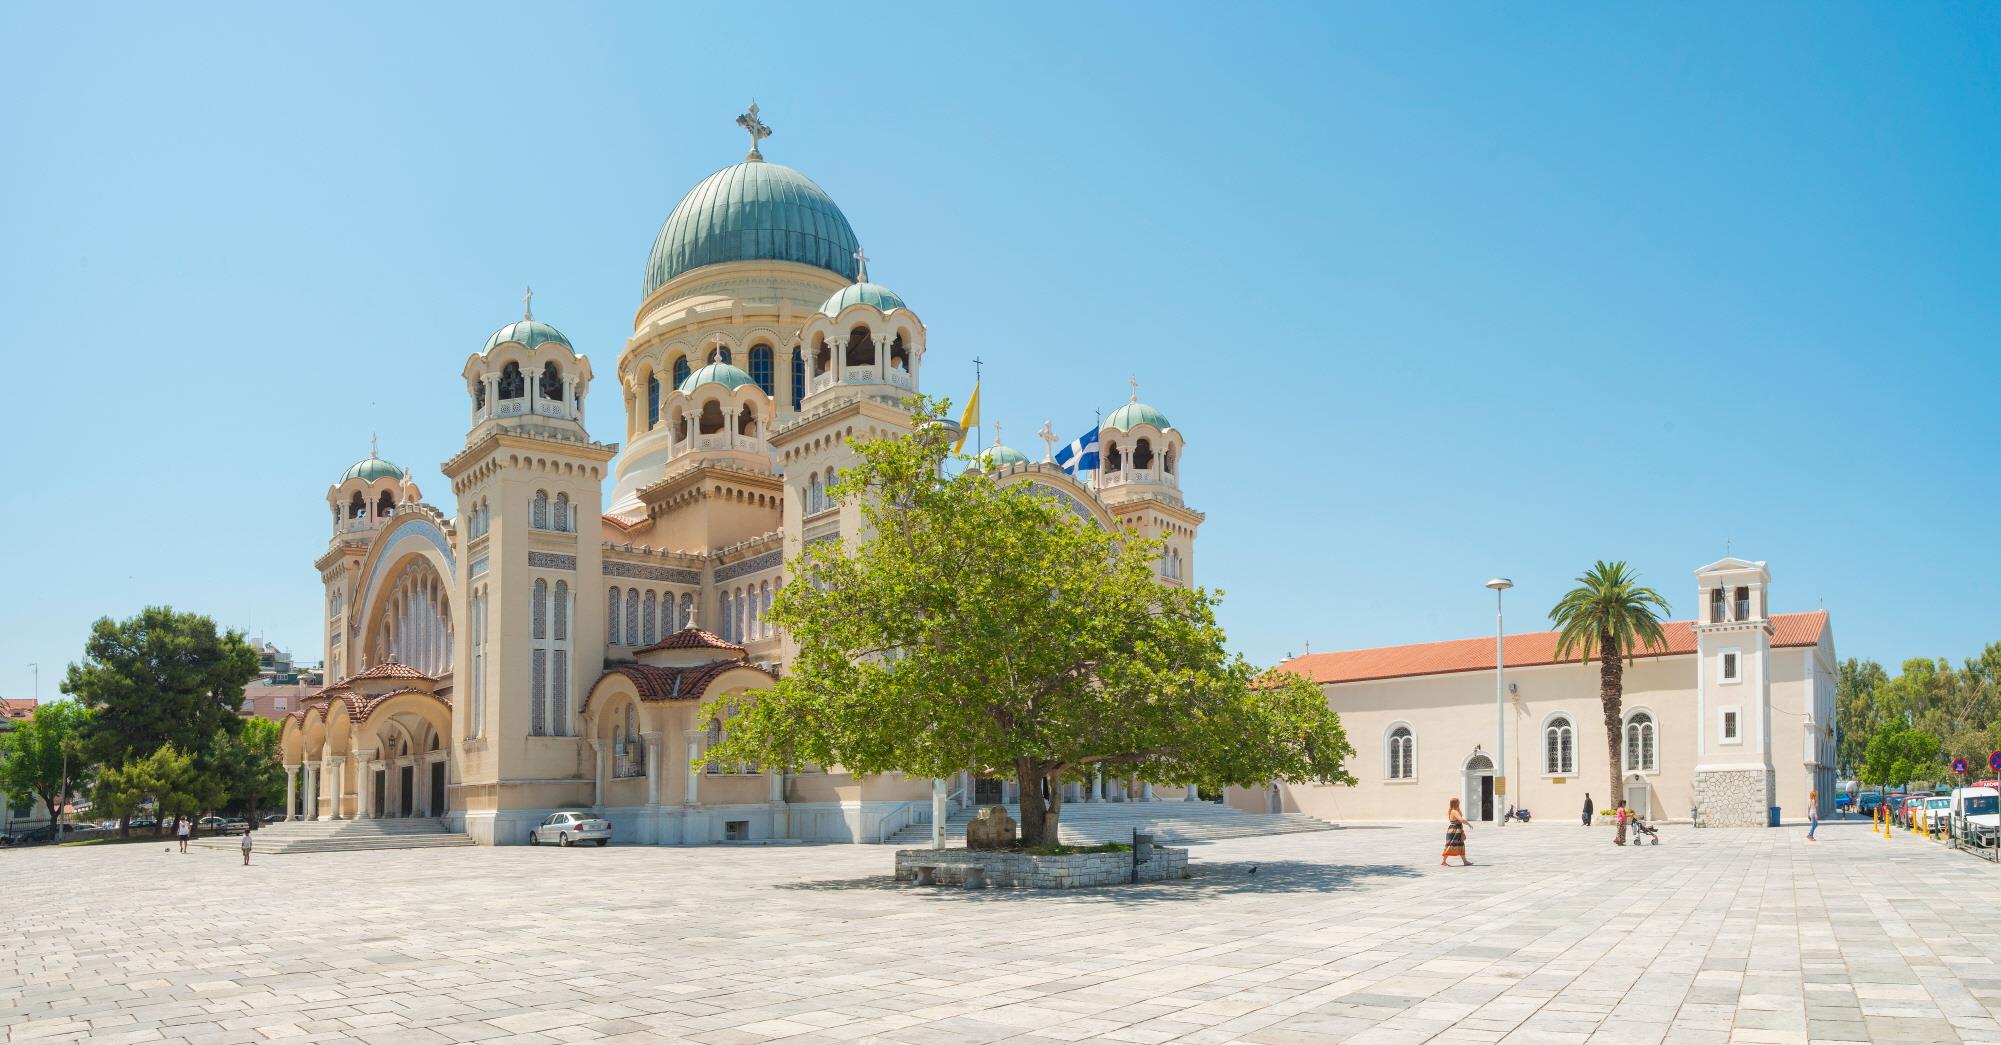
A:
{"x": 1434, "y": 294}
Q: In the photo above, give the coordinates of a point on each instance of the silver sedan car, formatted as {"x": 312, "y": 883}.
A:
{"x": 570, "y": 828}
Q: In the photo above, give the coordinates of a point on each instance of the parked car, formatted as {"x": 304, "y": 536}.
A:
{"x": 213, "y": 825}
{"x": 1976, "y": 814}
{"x": 1842, "y": 800}
{"x": 1868, "y": 801}
{"x": 569, "y": 828}
{"x": 1907, "y": 810}
{"x": 1938, "y": 810}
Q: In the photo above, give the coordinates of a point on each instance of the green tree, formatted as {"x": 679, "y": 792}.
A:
{"x": 245, "y": 767}
{"x": 1855, "y": 710}
{"x": 42, "y": 758}
{"x": 159, "y": 678}
{"x": 167, "y": 778}
{"x": 1899, "y": 755}
{"x": 986, "y": 626}
{"x": 1609, "y": 615}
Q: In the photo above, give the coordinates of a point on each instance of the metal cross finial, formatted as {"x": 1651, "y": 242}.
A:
{"x": 527, "y": 303}
{"x": 371, "y": 446}
{"x": 758, "y": 132}
{"x": 1135, "y": 383}
{"x": 1049, "y": 441}
{"x": 861, "y": 266}
{"x": 997, "y": 433}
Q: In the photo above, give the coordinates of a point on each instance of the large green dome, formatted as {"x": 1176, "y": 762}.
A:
{"x": 1134, "y": 414}
{"x": 1000, "y": 457}
{"x": 528, "y": 333}
{"x": 754, "y": 211}
{"x": 372, "y": 469}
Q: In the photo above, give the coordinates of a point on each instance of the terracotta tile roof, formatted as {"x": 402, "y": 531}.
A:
{"x": 17, "y": 709}
{"x": 693, "y": 638}
{"x": 385, "y": 670}
{"x": 623, "y": 524}
{"x": 669, "y": 683}
{"x": 1531, "y": 649}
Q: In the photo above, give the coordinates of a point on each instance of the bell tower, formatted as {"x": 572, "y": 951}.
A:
{"x": 1734, "y": 782}
{"x": 529, "y": 488}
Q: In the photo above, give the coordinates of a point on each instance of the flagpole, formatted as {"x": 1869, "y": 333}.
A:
{"x": 1097, "y": 426}
{"x": 980, "y": 440}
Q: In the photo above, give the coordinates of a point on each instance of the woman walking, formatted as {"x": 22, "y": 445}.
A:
{"x": 1455, "y": 836}
{"x": 1621, "y": 815}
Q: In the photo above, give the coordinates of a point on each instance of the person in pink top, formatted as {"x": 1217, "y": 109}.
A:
{"x": 1620, "y": 814}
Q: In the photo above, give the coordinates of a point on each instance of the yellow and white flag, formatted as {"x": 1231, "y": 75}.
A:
{"x": 970, "y": 420}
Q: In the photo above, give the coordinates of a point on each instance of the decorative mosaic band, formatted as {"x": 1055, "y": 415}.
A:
{"x": 641, "y": 571}
{"x": 767, "y": 561}
{"x": 478, "y": 566}
{"x": 552, "y": 561}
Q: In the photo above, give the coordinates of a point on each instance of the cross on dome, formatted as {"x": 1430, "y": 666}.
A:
{"x": 527, "y": 303}
{"x": 1135, "y": 384}
{"x": 861, "y": 266}
{"x": 1049, "y": 441}
{"x": 758, "y": 130}
{"x": 371, "y": 446}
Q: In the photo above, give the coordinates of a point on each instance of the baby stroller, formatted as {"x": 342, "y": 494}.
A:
{"x": 1643, "y": 833}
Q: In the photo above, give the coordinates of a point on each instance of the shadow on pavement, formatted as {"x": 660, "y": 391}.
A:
{"x": 1205, "y": 881}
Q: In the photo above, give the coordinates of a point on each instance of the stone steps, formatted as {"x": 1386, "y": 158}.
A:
{"x": 328, "y": 836}
{"x": 1094, "y": 823}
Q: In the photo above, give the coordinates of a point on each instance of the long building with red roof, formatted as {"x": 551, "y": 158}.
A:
{"x": 1733, "y": 716}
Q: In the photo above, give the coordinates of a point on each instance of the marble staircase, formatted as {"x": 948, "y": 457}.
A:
{"x": 321, "y": 836}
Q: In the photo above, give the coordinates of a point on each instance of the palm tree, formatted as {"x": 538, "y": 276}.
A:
{"x": 1609, "y": 614}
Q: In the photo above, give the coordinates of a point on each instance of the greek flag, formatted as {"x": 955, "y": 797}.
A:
{"x": 1081, "y": 455}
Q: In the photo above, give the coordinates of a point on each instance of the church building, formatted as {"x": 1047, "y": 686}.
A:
{"x": 545, "y": 644}
{"x": 1733, "y": 719}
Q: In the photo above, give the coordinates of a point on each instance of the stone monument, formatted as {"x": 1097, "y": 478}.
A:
{"x": 990, "y": 828}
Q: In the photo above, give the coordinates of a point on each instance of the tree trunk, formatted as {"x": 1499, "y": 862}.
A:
{"x": 1611, "y": 690}
{"x": 1028, "y": 780}
{"x": 1052, "y": 812}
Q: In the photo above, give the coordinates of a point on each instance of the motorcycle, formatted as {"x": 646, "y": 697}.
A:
{"x": 1516, "y": 814}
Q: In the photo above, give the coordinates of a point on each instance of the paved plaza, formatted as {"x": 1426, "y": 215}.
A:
{"x": 1353, "y": 935}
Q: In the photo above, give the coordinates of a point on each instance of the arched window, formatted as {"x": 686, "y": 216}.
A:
{"x": 538, "y": 510}
{"x": 715, "y": 737}
{"x": 562, "y": 610}
{"x": 680, "y": 370}
{"x": 724, "y": 605}
{"x": 539, "y": 613}
{"x": 649, "y": 618}
{"x": 652, "y": 400}
{"x": 815, "y": 497}
{"x": 746, "y": 421}
{"x": 479, "y": 394}
{"x": 632, "y": 616}
{"x": 358, "y": 508}
{"x": 687, "y": 614}
{"x": 899, "y": 356}
{"x": 861, "y": 348}
{"x": 720, "y": 354}
{"x": 611, "y": 617}
{"x": 562, "y": 513}
{"x": 552, "y": 383}
{"x": 1114, "y": 458}
{"x": 1167, "y": 462}
{"x": 711, "y": 421}
{"x": 1143, "y": 455}
{"x": 511, "y": 384}
{"x": 760, "y": 369}
{"x": 1402, "y": 754}
{"x": 1559, "y": 748}
{"x": 798, "y": 377}
{"x": 764, "y": 609}
{"x": 1640, "y": 743}
{"x": 822, "y": 356}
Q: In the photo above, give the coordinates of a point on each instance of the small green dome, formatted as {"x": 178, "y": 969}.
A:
{"x": 1000, "y": 457}
{"x": 883, "y": 298}
{"x": 528, "y": 333}
{"x": 372, "y": 469}
{"x": 719, "y": 374}
{"x": 754, "y": 211}
{"x": 1134, "y": 414}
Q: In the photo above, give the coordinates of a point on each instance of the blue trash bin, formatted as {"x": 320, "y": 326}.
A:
{"x": 1773, "y": 820}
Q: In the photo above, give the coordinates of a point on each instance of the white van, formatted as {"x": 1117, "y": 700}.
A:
{"x": 1976, "y": 815}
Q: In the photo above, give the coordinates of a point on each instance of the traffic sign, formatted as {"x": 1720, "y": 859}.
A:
{"x": 1994, "y": 760}
{"x": 1959, "y": 766}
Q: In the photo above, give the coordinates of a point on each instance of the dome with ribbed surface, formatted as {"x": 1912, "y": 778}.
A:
{"x": 883, "y": 298}
{"x": 716, "y": 374}
{"x": 1001, "y": 457}
{"x": 754, "y": 211}
{"x": 527, "y": 333}
{"x": 1134, "y": 414}
{"x": 372, "y": 469}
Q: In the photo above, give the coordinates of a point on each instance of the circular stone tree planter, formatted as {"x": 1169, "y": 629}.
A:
{"x": 1004, "y": 869}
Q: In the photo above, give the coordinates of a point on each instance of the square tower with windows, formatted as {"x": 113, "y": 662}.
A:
{"x": 1734, "y": 785}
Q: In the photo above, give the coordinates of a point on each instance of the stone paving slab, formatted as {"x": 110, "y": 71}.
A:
{"x": 1355, "y": 935}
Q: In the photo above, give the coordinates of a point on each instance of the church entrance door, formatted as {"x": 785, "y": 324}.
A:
{"x": 988, "y": 791}
{"x": 408, "y": 775}
{"x": 438, "y": 788}
{"x": 1477, "y": 798}
{"x": 381, "y": 785}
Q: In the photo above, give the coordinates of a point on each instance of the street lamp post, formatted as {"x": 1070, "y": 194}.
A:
{"x": 1500, "y": 584}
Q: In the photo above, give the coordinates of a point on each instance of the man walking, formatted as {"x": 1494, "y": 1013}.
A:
{"x": 246, "y": 846}
{"x": 1587, "y": 809}
{"x": 183, "y": 832}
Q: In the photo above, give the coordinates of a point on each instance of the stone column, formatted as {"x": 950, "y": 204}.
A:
{"x": 291, "y": 792}
{"x": 364, "y": 785}
{"x": 313, "y": 790}
{"x": 1097, "y": 785}
{"x": 781, "y": 817}
{"x": 693, "y": 794}
{"x": 652, "y": 767}
{"x": 1146, "y": 792}
{"x": 597, "y": 773}
{"x": 938, "y": 813}
{"x": 339, "y": 784}
{"x": 1194, "y": 793}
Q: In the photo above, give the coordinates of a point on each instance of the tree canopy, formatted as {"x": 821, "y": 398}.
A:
{"x": 1612, "y": 616}
{"x": 1898, "y": 756}
{"x": 1960, "y": 707}
{"x": 159, "y": 678}
{"x": 985, "y": 626}
{"x": 42, "y": 758}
